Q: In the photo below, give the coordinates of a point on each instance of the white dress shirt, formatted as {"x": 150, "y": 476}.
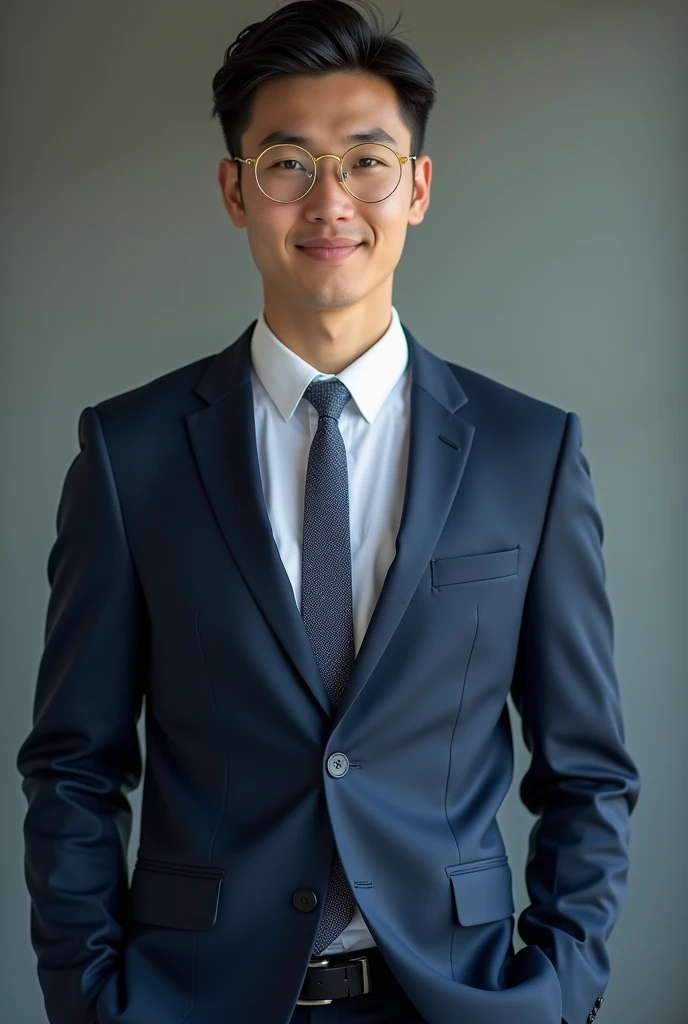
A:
{"x": 375, "y": 428}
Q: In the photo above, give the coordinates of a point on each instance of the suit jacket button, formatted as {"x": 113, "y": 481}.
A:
{"x": 598, "y": 1002}
{"x": 304, "y": 900}
{"x": 337, "y": 764}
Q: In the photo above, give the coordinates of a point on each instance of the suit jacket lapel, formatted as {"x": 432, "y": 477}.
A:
{"x": 439, "y": 445}
{"x": 224, "y": 445}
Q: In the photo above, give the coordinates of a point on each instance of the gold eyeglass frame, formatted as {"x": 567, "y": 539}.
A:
{"x": 253, "y": 161}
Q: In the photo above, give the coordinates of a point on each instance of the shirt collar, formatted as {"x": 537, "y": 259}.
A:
{"x": 370, "y": 378}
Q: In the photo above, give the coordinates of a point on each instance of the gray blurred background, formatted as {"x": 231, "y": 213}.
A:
{"x": 552, "y": 257}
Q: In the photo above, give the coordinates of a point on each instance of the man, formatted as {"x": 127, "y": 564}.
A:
{"x": 325, "y": 556}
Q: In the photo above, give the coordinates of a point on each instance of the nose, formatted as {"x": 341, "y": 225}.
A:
{"x": 328, "y": 182}
{"x": 328, "y": 199}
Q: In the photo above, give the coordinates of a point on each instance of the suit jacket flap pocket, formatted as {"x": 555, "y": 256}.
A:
{"x": 174, "y": 899}
{"x": 482, "y": 894}
{"x": 469, "y": 568}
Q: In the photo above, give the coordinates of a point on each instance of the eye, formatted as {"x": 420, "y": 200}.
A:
{"x": 279, "y": 162}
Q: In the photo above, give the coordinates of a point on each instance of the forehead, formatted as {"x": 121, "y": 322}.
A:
{"x": 339, "y": 108}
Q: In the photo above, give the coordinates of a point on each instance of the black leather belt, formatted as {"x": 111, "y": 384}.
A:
{"x": 328, "y": 979}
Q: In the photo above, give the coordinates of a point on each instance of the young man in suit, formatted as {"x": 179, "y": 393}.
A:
{"x": 326, "y": 556}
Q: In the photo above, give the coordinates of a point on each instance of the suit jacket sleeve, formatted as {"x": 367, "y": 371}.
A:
{"x": 581, "y": 783}
{"x": 82, "y": 755}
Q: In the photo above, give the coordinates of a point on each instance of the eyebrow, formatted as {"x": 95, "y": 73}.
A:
{"x": 288, "y": 138}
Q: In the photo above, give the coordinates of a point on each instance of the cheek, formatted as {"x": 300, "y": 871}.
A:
{"x": 390, "y": 232}
{"x": 390, "y": 221}
{"x": 266, "y": 235}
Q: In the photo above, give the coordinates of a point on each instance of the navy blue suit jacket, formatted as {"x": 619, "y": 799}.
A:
{"x": 166, "y": 582}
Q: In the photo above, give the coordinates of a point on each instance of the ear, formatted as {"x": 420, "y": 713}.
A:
{"x": 421, "y": 192}
{"x": 230, "y": 187}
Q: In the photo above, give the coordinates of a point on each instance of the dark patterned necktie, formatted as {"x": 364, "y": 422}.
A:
{"x": 326, "y": 595}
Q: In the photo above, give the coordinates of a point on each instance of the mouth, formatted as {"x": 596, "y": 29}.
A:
{"x": 329, "y": 254}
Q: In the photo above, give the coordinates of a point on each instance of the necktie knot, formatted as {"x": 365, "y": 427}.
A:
{"x": 328, "y": 397}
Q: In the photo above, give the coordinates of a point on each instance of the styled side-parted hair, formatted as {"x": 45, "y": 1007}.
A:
{"x": 319, "y": 37}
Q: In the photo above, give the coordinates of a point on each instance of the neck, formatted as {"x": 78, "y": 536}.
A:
{"x": 329, "y": 339}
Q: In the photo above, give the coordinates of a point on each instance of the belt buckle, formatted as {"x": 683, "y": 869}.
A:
{"x": 363, "y": 960}
{"x": 315, "y": 1002}
{"x": 364, "y": 967}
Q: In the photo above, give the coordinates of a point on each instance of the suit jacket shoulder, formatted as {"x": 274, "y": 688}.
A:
{"x": 170, "y": 393}
{"x": 518, "y": 428}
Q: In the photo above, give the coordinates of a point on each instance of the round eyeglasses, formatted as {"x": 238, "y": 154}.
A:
{"x": 369, "y": 172}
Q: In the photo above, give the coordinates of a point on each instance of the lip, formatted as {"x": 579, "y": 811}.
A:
{"x": 340, "y": 242}
{"x": 328, "y": 250}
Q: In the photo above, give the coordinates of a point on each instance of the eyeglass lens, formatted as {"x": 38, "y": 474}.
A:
{"x": 371, "y": 172}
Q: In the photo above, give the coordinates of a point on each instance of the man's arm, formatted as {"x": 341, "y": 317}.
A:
{"x": 82, "y": 755}
{"x": 581, "y": 781}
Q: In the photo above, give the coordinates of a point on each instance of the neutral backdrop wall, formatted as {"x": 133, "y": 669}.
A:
{"x": 553, "y": 257}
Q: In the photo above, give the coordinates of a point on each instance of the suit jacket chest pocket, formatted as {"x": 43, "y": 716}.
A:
{"x": 460, "y": 569}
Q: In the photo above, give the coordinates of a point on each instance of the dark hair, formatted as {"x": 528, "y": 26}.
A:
{"x": 319, "y": 37}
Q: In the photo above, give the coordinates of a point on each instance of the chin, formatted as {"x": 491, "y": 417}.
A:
{"x": 335, "y": 299}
